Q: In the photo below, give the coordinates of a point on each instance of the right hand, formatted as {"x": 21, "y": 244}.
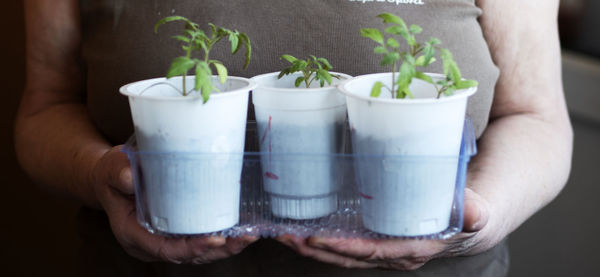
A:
{"x": 113, "y": 186}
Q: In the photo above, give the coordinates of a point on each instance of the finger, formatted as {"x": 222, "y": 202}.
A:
{"x": 476, "y": 212}
{"x": 379, "y": 250}
{"x": 300, "y": 246}
{"x": 235, "y": 245}
{"x": 230, "y": 247}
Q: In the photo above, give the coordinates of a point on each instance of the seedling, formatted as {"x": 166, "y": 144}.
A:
{"x": 404, "y": 62}
{"x": 194, "y": 39}
{"x": 312, "y": 69}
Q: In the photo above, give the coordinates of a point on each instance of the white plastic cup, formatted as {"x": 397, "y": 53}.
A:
{"x": 299, "y": 129}
{"x": 407, "y": 154}
{"x": 191, "y": 154}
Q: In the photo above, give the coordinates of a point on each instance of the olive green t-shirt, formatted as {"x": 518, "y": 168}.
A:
{"x": 119, "y": 47}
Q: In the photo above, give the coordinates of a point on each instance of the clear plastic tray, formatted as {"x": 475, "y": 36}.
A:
{"x": 341, "y": 195}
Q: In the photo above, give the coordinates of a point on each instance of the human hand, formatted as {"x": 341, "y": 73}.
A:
{"x": 113, "y": 186}
{"x": 400, "y": 254}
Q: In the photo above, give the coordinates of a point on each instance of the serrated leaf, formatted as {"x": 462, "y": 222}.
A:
{"x": 325, "y": 75}
{"x": 246, "y": 41}
{"x": 203, "y": 80}
{"x": 299, "y": 81}
{"x": 180, "y": 66}
{"x": 318, "y": 64}
{"x": 213, "y": 28}
{"x": 393, "y": 43}
{"x": 429, "y": 53}
{"x": 373, "y": 34}
{"x": 450, "y": 91}
{"x": 326, "y": 63}
{"x": 424, "y": 77}
{"x": 390, "y": 58}
{"x": 235, "y": 43}
{"x": 202, "y": 44}
{"x": 284, "y": 72}
{"x": 221, "y": 71}
{"x": 464, "y": 84}
{"x": 390, "y": 18}
{"x": 394, "y": 30}
{"x": 415, "y": 29}
{"x": 380, "y": 50}
{"x": 376, "y": 90}
{"x": 169, "y": 19}
{"x": 289, "y": 58}
{"x": 409, "y": 59}
{"x": 298, "y": 65}
{"x": 420, "y": 61}
{"x": 182, "y": 38}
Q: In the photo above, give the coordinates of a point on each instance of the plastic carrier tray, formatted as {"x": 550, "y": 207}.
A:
{"x": 268, "y": 194}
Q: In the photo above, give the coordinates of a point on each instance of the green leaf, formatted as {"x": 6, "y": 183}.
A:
{"x": 380, "y": 50}
{"x": 288, "y": 58}
{"x": 326, "y": 63}
{"x": 318, "y": 64}
{"x": 393, "y": 43}
{"x": 407, "y": 72}
{"x": 390, "y": 18}
{"x": 420, "y": 61}
{"x": 434, "y": 41}
{"x": 373, "y": 34}
{"x": 409, "y": 59}
{"x": 180, "y": 66}
{"x": 424, "y": 77}
{"x": 246, "y": 41}
{"x": 429, "y": 53}
{"x": 284, "y": 72}
{"x": 235, "y": 43}
{"x": 466, "y": 84}
{"x": 200, "y": 44}
{"x": 182, "y": 38}
{"x": 213, "y": 28}
{"x": 376, "y": 90}
{"x": 395, "y": 30}
{"x": 390, "y": 58}
{"x": 298, "y": 65}
{"x": 415, "y": 29}
{"x": 221, "y": 71}
{"x": 169, "y": 19}
{"x": 203, "y": 80}
{"x": 325, "y": 75}
{"x": 449, "y": 91}
{"x": 299, "y": 81}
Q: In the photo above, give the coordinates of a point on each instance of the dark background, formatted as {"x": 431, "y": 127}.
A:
{"x": 38, "y": 234}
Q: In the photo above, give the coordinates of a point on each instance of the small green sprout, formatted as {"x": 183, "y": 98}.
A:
{"x": 312, "y": 69}
{"x": 195, "y": 39}
{"x": 404, "y": 62}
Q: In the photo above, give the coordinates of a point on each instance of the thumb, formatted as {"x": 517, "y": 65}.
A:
{"x": 476, "y": 212}
{"x": 117, "y": 171}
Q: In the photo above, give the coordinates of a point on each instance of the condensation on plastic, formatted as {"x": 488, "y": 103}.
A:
{"x": 256, "y": 205}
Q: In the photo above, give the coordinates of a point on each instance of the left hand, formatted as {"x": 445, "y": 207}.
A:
{"x": 399, "y": 254}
